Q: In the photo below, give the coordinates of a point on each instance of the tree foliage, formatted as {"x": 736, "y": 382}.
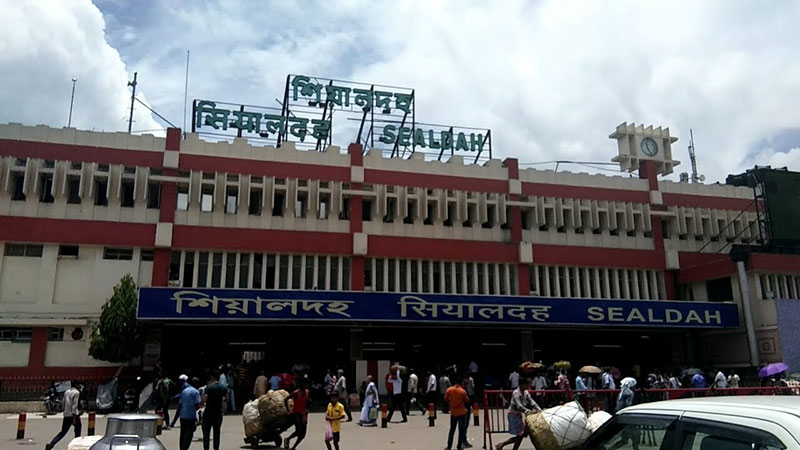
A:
{"x": 116, "y": 338}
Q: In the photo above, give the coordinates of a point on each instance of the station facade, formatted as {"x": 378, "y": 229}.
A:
{"x": 346, "y": 258}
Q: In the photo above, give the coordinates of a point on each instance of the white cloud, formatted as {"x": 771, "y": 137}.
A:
{"x": 43, "y": 45}
{"x": 550, "y": 78}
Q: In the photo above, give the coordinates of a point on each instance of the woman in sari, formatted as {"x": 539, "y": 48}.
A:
{"x": 371, "y": 400}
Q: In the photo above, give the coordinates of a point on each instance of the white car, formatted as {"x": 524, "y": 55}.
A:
{"x": 709, "y": 423}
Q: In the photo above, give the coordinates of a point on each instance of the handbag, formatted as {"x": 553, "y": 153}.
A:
{"x": 373, "y": 413}
{"x": 328, "y": 431}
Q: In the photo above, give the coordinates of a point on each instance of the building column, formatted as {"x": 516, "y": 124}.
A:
{"x": 515, "y": 223}
{"x": 38, "y": 348}
{"x": 526, "y": 345}
{"x": 360, "y": 241}
{"x": 166, "y": 214}
{"x": 648, "y": 170}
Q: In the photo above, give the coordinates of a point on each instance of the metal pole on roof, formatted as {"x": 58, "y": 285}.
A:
{"x": 71, "y": 102}
{"x": 133, "y": 98}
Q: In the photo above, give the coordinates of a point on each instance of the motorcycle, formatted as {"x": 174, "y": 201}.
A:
{"x": 53, "y": 402}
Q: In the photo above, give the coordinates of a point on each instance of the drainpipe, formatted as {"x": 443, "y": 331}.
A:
{"x": 744, "y": 288}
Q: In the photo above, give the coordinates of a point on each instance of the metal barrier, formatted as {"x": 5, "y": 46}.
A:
{"x": 495, "y": 402}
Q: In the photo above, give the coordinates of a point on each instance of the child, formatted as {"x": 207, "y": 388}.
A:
{"x": 334, "y": 416}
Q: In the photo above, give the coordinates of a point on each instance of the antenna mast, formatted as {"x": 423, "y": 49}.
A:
{"x": 133, "y": 97}
{"x": 695, "y": 178}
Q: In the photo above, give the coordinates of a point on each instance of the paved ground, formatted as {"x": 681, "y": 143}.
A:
{"x": 413, "y": 435}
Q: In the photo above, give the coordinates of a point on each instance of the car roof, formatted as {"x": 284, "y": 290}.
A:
{"x": 782, "y": 409}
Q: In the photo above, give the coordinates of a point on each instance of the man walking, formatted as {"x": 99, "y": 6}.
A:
{"x": 340, "y": 387}
{"x": 444, "y": 384}
{"x": 513, "y": 379}
{"x": 72, "y": 417}
{"x": 190, "y": 403}
{"x": 183, "y": 379}
{"x": 163, "y": 390}
{"x": 397, "y": 396}
{"x": 214, "y": 396}
{"x": 411, "y": 393}
{"x": 457, "y": 399}
{"x": 431, "y": 389}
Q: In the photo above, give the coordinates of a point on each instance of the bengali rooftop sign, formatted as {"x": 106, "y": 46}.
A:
{"x": 242, "y": 304}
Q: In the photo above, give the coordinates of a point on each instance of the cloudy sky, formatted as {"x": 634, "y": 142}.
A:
{"x": 551, "y": 78}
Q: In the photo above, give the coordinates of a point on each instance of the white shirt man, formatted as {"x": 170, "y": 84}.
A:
{"x": 608, "y": 381}
{"x": 733, "y": 381}
{"x": 71, "y": 416}
{"x": 720, "y": 380}
{"x": 431, "y": 386}
{"x": 412, "y": 383}
{"x": 539, "y": 383}
{"x": 513, "y": 379}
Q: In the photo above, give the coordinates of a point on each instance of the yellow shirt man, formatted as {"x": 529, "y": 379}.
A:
{"x": 335, "y": 414}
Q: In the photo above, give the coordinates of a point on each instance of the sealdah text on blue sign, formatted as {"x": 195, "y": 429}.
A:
{"x": 241, "y": 304}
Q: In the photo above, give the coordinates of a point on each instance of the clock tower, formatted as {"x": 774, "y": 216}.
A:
{"x": 637, "y": 144}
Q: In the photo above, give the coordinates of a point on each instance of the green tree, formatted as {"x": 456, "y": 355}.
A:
{"x": 116, "y": 338}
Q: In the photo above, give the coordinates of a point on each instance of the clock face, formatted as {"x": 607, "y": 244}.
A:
{"x": 649, "y": 147}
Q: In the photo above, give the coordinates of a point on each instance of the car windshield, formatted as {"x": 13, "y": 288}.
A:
{"x": 633, "y": 432}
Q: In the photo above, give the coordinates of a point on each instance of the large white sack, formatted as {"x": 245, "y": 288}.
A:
{"x": 560, "y": 428}
{"x": 83, "y": 442}
{"x": 251, "y": 418}
{"x": 596, "y": 420}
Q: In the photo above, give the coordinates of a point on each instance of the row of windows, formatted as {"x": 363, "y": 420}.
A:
{"x": 109, "y": 253}
{"x": 258, "y": 271}
{"x": 596, "y": 282}
{"x": 439, "y": 277}
{"x": 778, "y": 286}
{"x": 16, "y": 334}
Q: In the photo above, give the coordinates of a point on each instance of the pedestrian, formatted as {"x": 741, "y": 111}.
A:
{"x": 340, "y": 387}
{"x": 674, "y": 382}
{"x": 371, "y": 400}
{"x": 720, "y": 380}
{"x": 231, "y": 375}
{"x": 398, "y": 400}
{"x": 299, "y": 415}
{"x": 513, "y": 379}
{"x": 214, "y": 397}
{"x": 334, "y": 415}
{"x": 539, "y": 382}
{"x": 457, "y": 399}
{"x": 521, "y": 404}
{"x": 733, "y": 380}
{"x": 183, "y": 379}
{"x": 699, "y": 381}
{"x": 562, "y": 382}
{"x": 412, "y": 390}
{"x": 275, "y": 382}
{"x": 190, "y": 404}
{"x": 624, "y": 400}
{"x": 608, "y": 380}
{"x": 163, "y": 391}
{"x": 72, "y": 415}
{"x": 327, "y": 381}
{"x": 260, "y": 386}
{"x": 580, "y": 385}
{"x": 431, "y": 391}
{"x": 444, "y": 384}
{"x": 330, "y": 382}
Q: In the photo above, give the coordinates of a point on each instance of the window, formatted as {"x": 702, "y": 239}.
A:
{"x": 322, "y": 270}
{"x": 297, "y": 271}
{"x": 230, "y": 270}
{"x": 207, "y": 199}
{"x": 175, "y": 266}
{"x": 100, "y": 197}
{"x": 324, "y": 208}
{"x": 154, "y": 195}
{"x": 30, "y": 250}
{"x": 704, "y": 434}
{"x": 277, "y": 204}
{"x": 283, "y": 272}
{"x": 202, "y": 270}
{"x": 126, "y": 196}
{"x": 18, "y": 179}
{"x": 366, "y": 210}
{"x": 334, "y": 273}
{"x": 231, "y": 199}
{"x": 491, "y": 212}
{"x": 46, "y": 189}
{"x": 74, "y": 190}
{"x": 16, "y": 334}
{"x": 309, "y": 272}
{"x": 626, "y": 433}
{"x": 68, "y": 250}
{"x": 344, "y": 214}
{"x": 148, "y": 254}
{"x": 391, "y": 210}
{"x": 258, "y": 270}
{"x": 55, "y": 334}
{"x": 429, "y": 214}
{"x": 216, "y": 271}
{"x": 301, "y": 206}
{"x": 183, "y": 198}
{"x": 254, "y": 208}
{"x": 188, "y": 269}
{"x": 409, "y": 218}
{"x": 270, "y": 283}
{"x": 117, "y": 253}
{"x": 244, "y": 270}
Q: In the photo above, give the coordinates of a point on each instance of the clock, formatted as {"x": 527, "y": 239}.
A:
{"x": 649, "y": 147}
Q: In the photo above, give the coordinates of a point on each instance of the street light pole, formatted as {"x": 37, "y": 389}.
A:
{"x": 71, "y": 102}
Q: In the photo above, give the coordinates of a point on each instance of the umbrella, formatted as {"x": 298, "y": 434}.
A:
{"x": 690, "y": 372}
{"x": 615, "y": 373}
{"x": 590, "y": 369}
{"x": 562, "y": 365}
{"x": 772, "y": 369}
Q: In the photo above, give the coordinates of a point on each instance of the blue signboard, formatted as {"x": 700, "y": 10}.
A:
{"x": 242, "y": 304}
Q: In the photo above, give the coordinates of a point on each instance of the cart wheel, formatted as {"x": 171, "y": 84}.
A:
{"x": 278, "y": 442}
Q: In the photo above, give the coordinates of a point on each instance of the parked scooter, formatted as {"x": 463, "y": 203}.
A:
{"x": 53, "y": 401}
